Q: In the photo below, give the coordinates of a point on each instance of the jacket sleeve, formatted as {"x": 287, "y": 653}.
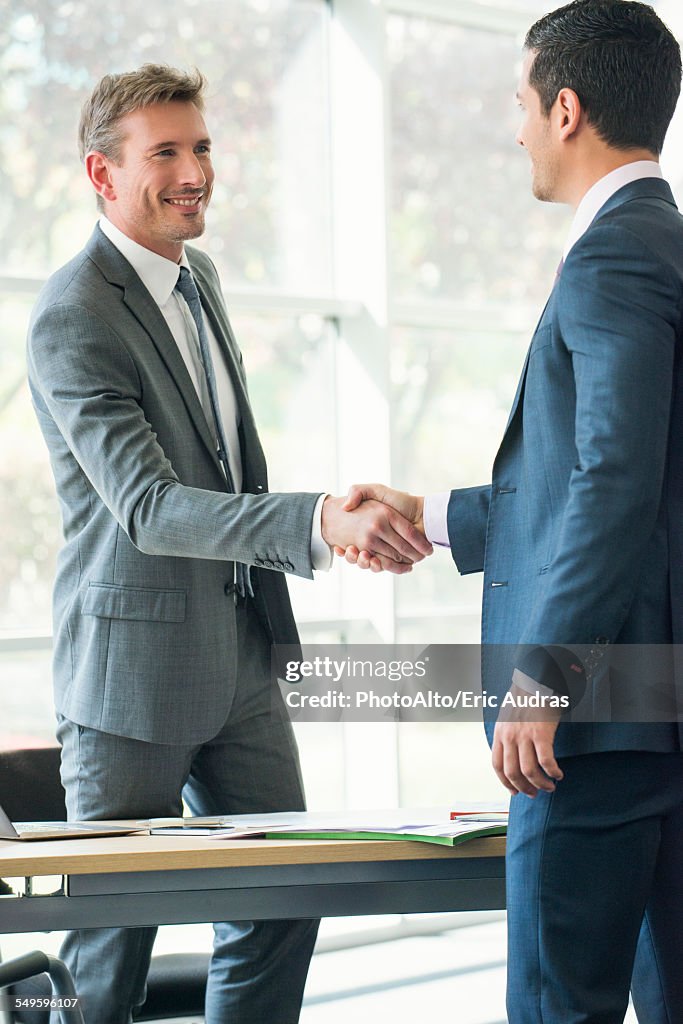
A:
{"x": 468, "y": 510}
{"x": 85, "y": 380}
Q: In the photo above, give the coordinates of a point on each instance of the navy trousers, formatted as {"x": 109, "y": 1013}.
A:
{"x": 595, "y": 893}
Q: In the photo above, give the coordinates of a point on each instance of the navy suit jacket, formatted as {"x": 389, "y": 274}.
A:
{"x": 580, "y": 534}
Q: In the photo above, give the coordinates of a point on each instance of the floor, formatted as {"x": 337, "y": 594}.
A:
{"x": 459, "y": 972}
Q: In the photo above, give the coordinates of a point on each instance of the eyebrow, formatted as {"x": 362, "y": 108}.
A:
{"x": 172, "y": 142}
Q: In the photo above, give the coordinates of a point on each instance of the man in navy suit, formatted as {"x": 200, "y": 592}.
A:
{"x": 580, "y": 533}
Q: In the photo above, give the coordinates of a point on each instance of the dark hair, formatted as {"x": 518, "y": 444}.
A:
{"x": 619, "y": 58}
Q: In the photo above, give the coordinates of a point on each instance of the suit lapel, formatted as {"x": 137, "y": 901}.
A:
{"x": 253, "y": 459}
{"x": 522, "y": 377}
{"x": 118, "y": 272}
{"x": 653, "y": 188}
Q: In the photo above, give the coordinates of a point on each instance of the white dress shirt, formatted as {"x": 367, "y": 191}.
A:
{"x": 159, "y": 277}
{"x": 435, "y": 512}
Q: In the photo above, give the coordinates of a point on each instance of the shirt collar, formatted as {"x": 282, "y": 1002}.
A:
{"x": 598, "y": 194}
{"x": 158, "y": 274}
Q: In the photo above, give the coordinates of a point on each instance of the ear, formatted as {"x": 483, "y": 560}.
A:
{"x": 98, "y": 169}
{"x": 568, "y": 112}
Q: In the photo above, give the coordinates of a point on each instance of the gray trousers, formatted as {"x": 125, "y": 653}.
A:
{"x": 258, "y": 969}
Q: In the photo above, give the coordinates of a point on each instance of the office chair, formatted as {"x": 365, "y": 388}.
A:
{"x": 31, "y": 790}
{"x": 31, "y": 964}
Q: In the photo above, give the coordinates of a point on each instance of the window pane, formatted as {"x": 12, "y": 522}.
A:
{"x": 30, "y": 534}
{"x": 464, "y": 225}
{"x": 28, "y": 717}
{"x": 267, "y": 111}
{"x": 290, "y": 370}
{"x": 451, "y": 392}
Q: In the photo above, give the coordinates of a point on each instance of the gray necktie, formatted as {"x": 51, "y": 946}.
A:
{"x": 188, "y": 289}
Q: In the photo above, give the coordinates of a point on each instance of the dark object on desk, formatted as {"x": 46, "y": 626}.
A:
{"x": 30, "y": 787}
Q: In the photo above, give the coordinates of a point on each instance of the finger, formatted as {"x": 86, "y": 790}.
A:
{"x": 382, "y": 563}
{"x": 366, "y": 560}
{"x": 546, "y": 759}
{"x": 513, "y": 771}
{"x": 381, "y": 539}
{"x": 497, "y": 758}
{"x": 411, "y": 539}
{"x": 390, "y": 565}
{"x": 339, "y": 552}
{"x": 532, "y": 770}
{"x": 359, "y": 493}
{"x": 351, "y": 554}
{"x": 373, "y": 541}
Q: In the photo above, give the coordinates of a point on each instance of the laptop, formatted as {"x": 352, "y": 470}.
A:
{"x": 28, "y": 831}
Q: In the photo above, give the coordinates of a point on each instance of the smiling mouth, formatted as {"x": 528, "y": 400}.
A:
{"x": 183, "y": 202}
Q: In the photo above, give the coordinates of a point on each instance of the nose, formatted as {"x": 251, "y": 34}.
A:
{"x": 192, "y": 171}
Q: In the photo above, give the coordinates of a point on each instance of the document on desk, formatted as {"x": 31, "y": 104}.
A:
{"x": 423, "y": 826}
{"x": 446, "y": 834}
{"x": 221, "y": 827}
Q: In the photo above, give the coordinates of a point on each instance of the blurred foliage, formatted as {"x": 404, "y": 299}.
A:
{"x": 451, "y": 393}
{"x": 464, "y": 230}
{"x": 30, "y": 533}
{"x": 264, "y": 63}
{"x": 264, "y": 60}
{"x": 464, "y": 225}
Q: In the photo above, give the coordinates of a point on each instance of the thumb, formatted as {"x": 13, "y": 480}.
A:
{"x": 356, "y": 495}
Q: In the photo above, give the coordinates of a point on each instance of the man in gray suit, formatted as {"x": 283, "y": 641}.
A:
{"x": 170, "y": 587}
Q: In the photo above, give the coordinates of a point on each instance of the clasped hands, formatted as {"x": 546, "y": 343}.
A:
{"x": 379, "y": 528}
{"x": 376, "y": 528}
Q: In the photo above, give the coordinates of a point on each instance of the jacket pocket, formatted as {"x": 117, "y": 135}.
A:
{"x": 541, "y": 339}
{"x": 111, "y": 601}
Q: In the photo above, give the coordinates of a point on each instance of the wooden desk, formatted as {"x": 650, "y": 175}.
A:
{"x": 140, "y": 880}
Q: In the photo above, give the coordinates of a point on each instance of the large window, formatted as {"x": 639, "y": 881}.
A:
{"x": 265, "y": 61}
{"x": 384, "y": 265}
{"x": 268, "y": 232}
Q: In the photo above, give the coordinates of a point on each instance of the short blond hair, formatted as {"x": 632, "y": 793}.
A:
{"x": 114, "y": 96}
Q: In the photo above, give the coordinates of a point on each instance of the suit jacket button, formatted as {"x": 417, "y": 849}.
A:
{"x": 267, "y": 562}
{"x": 259, "y": 561}
{"x": 289, "y": 567}
{"x": 279, "y": 565}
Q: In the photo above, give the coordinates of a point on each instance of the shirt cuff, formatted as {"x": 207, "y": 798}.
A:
{"x": 321, "y": 552}
{"x": 435, "y": 518}
{"x": 529, "y": 685}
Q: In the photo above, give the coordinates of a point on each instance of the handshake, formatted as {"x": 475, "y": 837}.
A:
{"x": 376, "y": 528}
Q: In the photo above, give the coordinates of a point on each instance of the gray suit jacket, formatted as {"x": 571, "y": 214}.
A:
{"x": 143, "y": 611}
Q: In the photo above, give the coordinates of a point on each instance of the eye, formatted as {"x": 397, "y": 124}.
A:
{"x": 165, "y": 152}
{"x": 202, "y": 149}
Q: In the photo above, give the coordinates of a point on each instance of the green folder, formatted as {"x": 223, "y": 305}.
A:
{"x": 442, "y": 834}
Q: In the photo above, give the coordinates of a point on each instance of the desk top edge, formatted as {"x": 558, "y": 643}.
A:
{"x": 159, "y": 853}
